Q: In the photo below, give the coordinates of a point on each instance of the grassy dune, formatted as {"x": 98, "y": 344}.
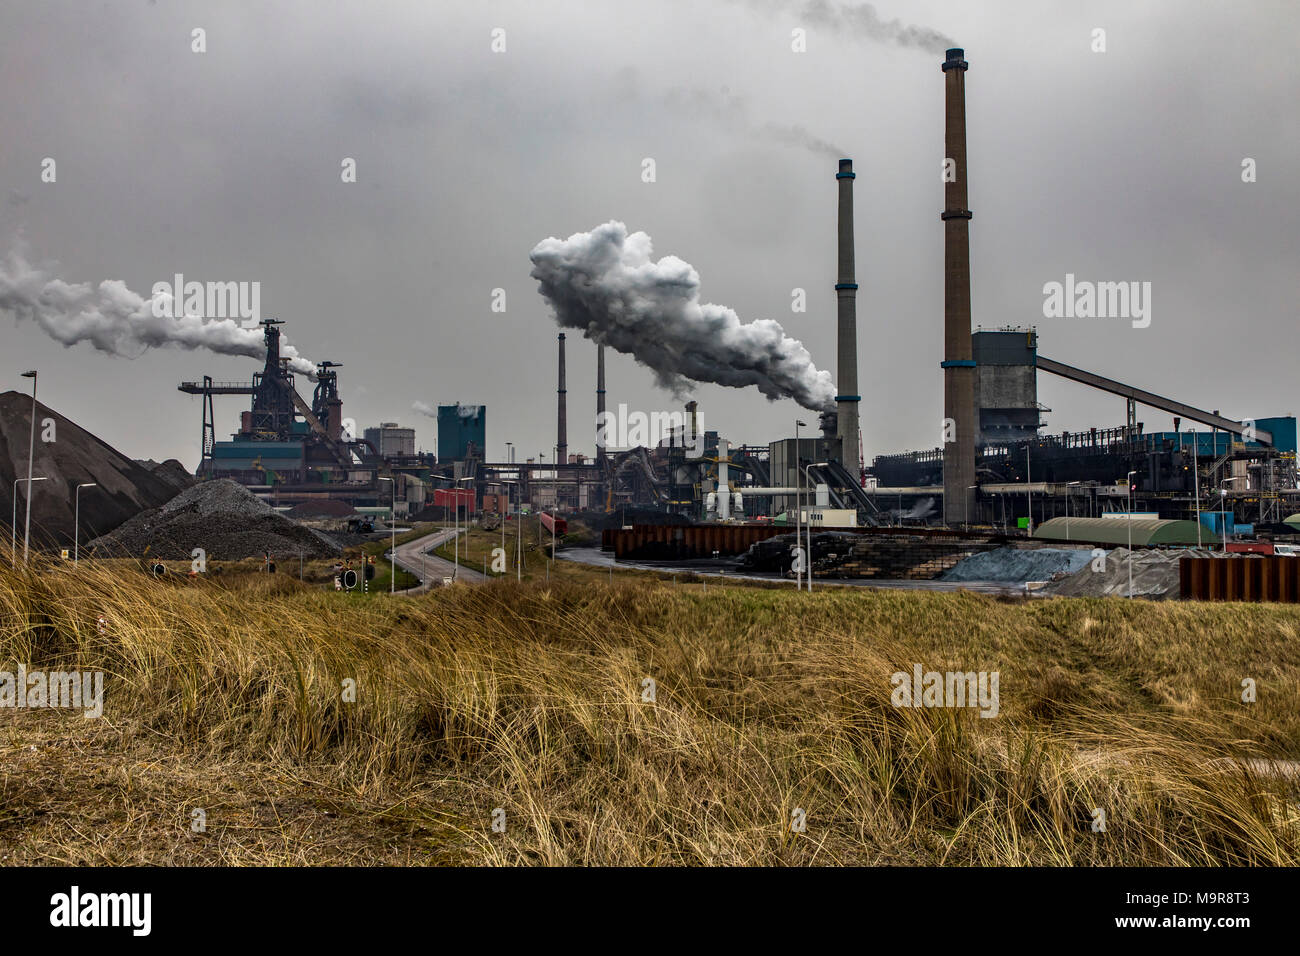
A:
{"x": 226, "y": 696}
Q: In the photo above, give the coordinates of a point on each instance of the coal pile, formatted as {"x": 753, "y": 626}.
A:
{"x": 828, "y": 550}
{"x": 1019, "y": 564}
{"x": 171, "y": 471}
{"x": 224, "y": 519}
{"x": 322, "y": 508}
{"x": 66, "y": 456}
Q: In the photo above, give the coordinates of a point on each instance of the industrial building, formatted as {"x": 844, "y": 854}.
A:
{"x": 391, "y": 440}
{"x": 996, "y": 468}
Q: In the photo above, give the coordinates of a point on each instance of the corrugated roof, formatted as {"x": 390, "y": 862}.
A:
{"x": 1146, "y": 531}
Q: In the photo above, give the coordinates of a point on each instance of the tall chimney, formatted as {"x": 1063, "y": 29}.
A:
{"x": 562, "y": 417}
{"x": 958, "y": 364}
{"x": 846, "y": 291}
{"x": 601, "y": 430}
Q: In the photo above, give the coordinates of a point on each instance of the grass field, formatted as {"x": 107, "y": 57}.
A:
{"x": 227, "y": 696}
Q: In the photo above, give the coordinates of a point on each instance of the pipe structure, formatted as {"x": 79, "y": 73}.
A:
{"x": 846, "y": 294}
{"x": 561, "y": 417}
{"x": 958, "y": 362}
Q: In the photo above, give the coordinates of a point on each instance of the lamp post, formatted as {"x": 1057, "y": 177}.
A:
{"x": 455, "y": 492}
{"x": 1068, "y": 485}
{"x": 76, "y": 521}
{"x": 1129, "y": 481}
{"x": 969, "y": 488}
{"x": 815, "y": 464}
{"x": 519, "y": 574}
{"x": 31, "y": 452}
{"x": 1196, "y": 483}
{"x": 555, "y": 508}
{"x": 392, "y": 524}
{"x": 798, "y": 507}
{"x": 13, "y": 523}
{"x": 1223, "y": 512}
{"x": 1030, "y": 492}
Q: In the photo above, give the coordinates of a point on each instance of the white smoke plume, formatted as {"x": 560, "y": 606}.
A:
{"x": 118, "y": 321}
{"x": 424, "y": 408}
{"x": 605, "y": 284}
{"x": 858, "y": 19}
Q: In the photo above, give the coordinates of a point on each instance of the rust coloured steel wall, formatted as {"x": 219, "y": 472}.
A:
{"x": 1253, "y": 578}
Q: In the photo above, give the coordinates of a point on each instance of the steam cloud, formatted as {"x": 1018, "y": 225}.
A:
{"x": 860, "y": 19}
{"x": 118, "y": 321}
{"x": 605, "y": 284}
{"x": 424, "y": 408}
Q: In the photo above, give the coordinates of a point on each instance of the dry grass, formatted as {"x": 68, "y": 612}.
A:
{"x": 226, "y": 696}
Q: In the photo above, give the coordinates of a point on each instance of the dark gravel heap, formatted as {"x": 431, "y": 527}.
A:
{"x": 224, "y": 519}
{"x": 171, "y": 471}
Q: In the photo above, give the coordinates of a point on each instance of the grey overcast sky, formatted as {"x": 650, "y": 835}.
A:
{"x": 225, "y": 165}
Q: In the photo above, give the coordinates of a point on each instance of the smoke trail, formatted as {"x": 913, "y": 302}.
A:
{"x": 118, "y": 321}
{"x": 605, "y": 284}
{"x": 860, "y": 19}
{"x": 730, "y": 111}
{"x": 424, "y": 408}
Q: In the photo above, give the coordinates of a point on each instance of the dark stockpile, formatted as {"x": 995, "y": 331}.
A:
{"x": 224, "y": 519}
{"x": 171, "y": 471}
{"x": 322, "y": 508}
{"x": 66, "y": 456}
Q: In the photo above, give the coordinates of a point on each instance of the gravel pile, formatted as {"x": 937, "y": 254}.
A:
{"x": 171, "y": 471}
{"x": 224, "y": 519}
{"x": 1155, "y": 575}
{"x": 321, "y": 508}
{"x": 1019, "y": 564}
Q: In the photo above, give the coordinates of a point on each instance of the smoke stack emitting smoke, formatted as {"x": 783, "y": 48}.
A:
{"x": 604, "y": 284}
{"x": 116, "y": 320}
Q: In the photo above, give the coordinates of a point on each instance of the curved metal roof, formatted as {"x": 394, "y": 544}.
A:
{"x": 1146, "y": 531}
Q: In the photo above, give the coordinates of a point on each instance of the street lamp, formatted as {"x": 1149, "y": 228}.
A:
{"x": 1196, "y": 484}
{"x": 1223, "y": 511}
{"x": 815, "y": 464}
{"x": 519, "y": 574}
{"x": 76, "y": 521}
{"x": 13, "y": 524}
{"x": 1068, "y": 485}
{"x": 392, "y": 524}
{"x": 455, "y": 492}
{"x": 1030, "y": 492}
{"x": 31, "y": 453}
{"x": 1129, "y": 481}
{"x": 969, "y": 489}
{"x": 798, "y": 507}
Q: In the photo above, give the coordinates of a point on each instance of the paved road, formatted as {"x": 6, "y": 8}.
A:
{"x": 430, "y": 568}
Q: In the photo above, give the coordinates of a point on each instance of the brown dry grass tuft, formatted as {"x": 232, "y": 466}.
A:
{"x": 227, "y": 697}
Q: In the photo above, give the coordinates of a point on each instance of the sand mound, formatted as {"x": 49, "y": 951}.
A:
{"x": 1155, "y": 575}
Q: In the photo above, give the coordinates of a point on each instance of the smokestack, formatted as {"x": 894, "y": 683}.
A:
{"x": 846, "y": 291}
{"x": 562, "y": 417}
{"x": 600, "y": 404}
{"x": 958, "y": 364}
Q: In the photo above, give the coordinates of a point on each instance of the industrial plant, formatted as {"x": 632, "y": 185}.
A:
{"x": 563, "y": 434}
{"x": 998, "y": 474}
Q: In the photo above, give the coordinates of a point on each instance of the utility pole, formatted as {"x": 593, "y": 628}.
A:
{"x": 76, "y": 521}
{"x": 31, "y": 452}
